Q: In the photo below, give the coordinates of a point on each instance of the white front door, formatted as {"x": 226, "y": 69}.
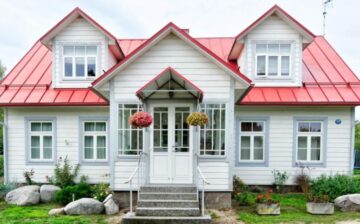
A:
{"x": 171, "y": 144}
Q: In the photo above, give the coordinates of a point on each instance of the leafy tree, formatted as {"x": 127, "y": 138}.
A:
{"x": 2, "y": 74}
{"x": 357, "y": 135}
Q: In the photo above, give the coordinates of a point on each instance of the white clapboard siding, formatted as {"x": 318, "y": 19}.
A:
{"x": 217, "y": 173}
{"x": 123, "y": 170}
{"x": 67, "y": 130}
{"x": 272, "y": 29}
{"x": 174, "y": 52}
{"x": 281, "y": 121}
{"x": 80, "y": 32}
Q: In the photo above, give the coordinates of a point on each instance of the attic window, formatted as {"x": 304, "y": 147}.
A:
{"x": 273, "y": 60}
{"x": 79, "y": 62}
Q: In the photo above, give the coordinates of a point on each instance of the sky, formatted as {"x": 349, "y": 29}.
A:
{"x": 23, "y": 22}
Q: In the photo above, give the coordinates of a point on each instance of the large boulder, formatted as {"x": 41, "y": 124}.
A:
{"x": 47, "y": 193}
{"x": 84, "y": 206}
{"x": 349, "y": 202}
{"x": 111, "y": 207}
{"x": 27, "y": 195}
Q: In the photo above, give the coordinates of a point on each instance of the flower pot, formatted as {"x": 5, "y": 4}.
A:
{"x": 268, "y": 209}
{"x": 320, "y": 208}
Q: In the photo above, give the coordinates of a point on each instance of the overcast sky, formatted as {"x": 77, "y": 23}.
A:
{"x": 22, "y": 22}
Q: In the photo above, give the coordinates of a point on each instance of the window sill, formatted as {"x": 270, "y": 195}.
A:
{"x": 309, "y": 164}
{"x": 251, "y": 164}
{"x": 128, "y": 157}
{"x": 40, "y": 162}
{"x": 207, "y": 157}
{"x": 78, "y": 79}
{"x": 94, "y": 162}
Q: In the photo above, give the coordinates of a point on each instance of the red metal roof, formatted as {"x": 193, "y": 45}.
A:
{"x": 29, "y": 84}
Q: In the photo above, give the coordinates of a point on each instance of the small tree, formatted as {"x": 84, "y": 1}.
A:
{"x": 64, "y": 173}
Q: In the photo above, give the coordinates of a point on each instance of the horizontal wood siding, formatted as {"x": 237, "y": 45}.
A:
{"x": 172, "y": 51}
{"x": 217, "y": 173}
{"x": 281, "y": 121}
{"x": 67, "y": 126}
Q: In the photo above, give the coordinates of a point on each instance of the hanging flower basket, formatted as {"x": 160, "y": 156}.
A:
{"x": 197, "y": 119}
{"x": 140, "y": 120}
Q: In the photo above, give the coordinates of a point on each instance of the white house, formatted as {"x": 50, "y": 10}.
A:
{"x": 277, "y": 97}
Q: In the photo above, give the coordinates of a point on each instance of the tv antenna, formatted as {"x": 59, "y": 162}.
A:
{"x": 326, "y": 4}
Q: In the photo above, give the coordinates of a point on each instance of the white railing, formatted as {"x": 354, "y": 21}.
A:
{"x": 204, "y": 181}
{"x": 139, "y": 169}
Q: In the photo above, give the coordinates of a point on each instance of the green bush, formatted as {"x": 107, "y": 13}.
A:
{"x": 100, "y": 191}
{"x": 334, "y": 186}
{"x": 238, "y": 186}
{"x": 75, "y": 192}
{"x": 5, "y": 188}
{"x": 64, "y": 173}
{"x": 245, "y": 199}
{"x": 1, "y": 165}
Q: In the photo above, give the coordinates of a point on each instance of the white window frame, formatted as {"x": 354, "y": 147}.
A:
{"x": 279, "y": 56}
{"x": 308, "y": 136}
{"x": 205, "y": 129}
{"x": 73, "y": 58}
{"x": 252, "y": 134}
{"x": 140, "y": 147}
{"x": 41, "y": 135}
{"x": 94, "y": 134}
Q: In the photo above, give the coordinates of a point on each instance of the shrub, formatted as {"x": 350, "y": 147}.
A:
{"x": 265, "y": 198}
{"x": 334, "y": 186}
{"x": 64, "y": 173}
{"x": 279, "y": 179}
{"x": 1, "y": 165}
{"x": 75, "y": 192}
{"x": 100, "y": 191}
{"x": 238, "y": 186}
{"x": 28, "y": 175}
{"x": 244, "y": 198}
{"x": 5, "y": 188}
{"x": 303, "y": 180}
{"x": 318, "y": 198}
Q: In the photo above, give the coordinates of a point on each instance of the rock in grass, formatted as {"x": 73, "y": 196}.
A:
{"x": 111, "y": 207}
{"x": 84, "y": 206}
{"x": 56, "y": 211}
{"x": 47, "y": 193}
{"x": 27, "y": 195}
{"x": 349, "y": 202}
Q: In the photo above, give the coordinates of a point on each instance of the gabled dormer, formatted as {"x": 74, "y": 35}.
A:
{"x": 269, "y": 51}
{"x": 82, "y": 50}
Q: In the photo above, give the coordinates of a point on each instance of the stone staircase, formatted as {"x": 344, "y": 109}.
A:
{"x": 167, "y": 204}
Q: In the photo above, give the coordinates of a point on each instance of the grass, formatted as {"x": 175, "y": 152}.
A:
{"x": 12, "y": 214}
{"x": 293, "y": 210}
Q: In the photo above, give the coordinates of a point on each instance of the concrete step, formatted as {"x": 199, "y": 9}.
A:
{"x": 169, "y": 189}
{"x": 167, "y": 196}
{"x": 178, "y": 212}
{"x": 130, "y": 218}
{"x": 169, "y": 203}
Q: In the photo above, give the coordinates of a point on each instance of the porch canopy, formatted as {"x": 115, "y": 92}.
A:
{"x": 169, "y": 84}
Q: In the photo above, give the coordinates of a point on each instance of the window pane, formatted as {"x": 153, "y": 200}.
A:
{"x": 261, "y": 65}
{"x": 35, "y": 126}
{"x": 47, "y": 126}
{"x": 91, "y": 66}
{"x": 35, "y": 147}
{"x": 91, "y": 50}
{"x": 285, "y": 48}
{"x": 302, "y": 142}
{"x": 245, "y": 148}
{"x": 315, "y": 142}
{"x": 315, "y": 154}
{"x": 89, "y": 126}
{"x": 80, "y": 50}
{"x": 68, "y": 67}
{"x": 246, "y": 126}
{"x": 68, "y": 50}
{"x": 258, "y": 142}
{"x": 303, "y": 127}
{"x": 273, "y": 48}
{"x": 245, "y": 141}
{"x": 315, "y": 127}
{"x": 261, "y": 48}
{"x": 258, "y": 153}
{"x": 80, "y": 67}
{"x": 258, "y": 147}
{"x": 89, "y": 144}
{"x": 100, "y": 126}
{"x": 47, "y": 142}
{"x": 258, "y": 126}
{"x": 273, "y": 66}
{"x": 302, "y": 154}
{"x": 101, "y": 147}
{"x": 285, "y": 65}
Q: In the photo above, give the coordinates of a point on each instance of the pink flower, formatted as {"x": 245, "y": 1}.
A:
{"x": 140, "y": 120}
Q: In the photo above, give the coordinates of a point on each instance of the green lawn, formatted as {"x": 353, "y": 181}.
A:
{"x": 293, "y": 210}
{"x": 12, "y": 214}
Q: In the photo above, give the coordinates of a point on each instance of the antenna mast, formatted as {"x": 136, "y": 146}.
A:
{"x": 326, "y": 4}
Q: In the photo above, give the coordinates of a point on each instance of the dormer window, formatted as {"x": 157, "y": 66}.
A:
{"x": 273, "y": 60}
{"x": 80, "y": 62}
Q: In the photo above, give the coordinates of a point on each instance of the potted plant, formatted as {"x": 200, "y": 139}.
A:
{"x": 319, "y": 205}
{"x": 266, "y": 205}
{"x": 140, "y": 119}
{"x": 197, "y": 119}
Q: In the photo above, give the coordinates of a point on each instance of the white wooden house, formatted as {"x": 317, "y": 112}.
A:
{"x": 277, "y": 97}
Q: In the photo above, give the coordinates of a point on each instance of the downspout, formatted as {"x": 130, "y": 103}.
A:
{"x": 5, "y": 145}
{"x": 352, "y": 144}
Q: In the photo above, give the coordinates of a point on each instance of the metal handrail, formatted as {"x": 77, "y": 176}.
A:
{"x": 130, "y": 180}
{"x": 204, "y": 181}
